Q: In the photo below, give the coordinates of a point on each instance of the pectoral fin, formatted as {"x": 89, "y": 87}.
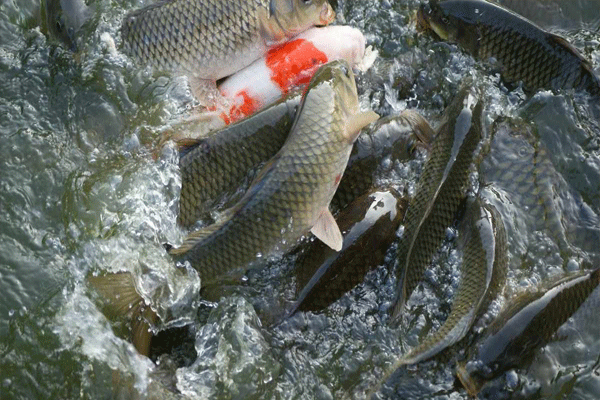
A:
{"x": 358, "y": 121}
{"x": 123, "y": 300}
{"x": 328, "y": 231}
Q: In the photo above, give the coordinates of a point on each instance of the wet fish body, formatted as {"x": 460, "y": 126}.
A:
{"x": 214, "y": 168}
{"x": 441, "y": 189}
{"x": 527, "y": 324}
{"x": 291, "y": 194}
{"x": 483, "y": 273}
{"x": 369, "y": 225}
{"x": 395, "y": 137}
{"x": 288, "y": 66}
{"x": 212, "y": 39}
{"x": 523, "y": 51}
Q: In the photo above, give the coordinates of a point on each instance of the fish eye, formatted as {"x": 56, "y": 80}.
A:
{"x": 445, "y": 19}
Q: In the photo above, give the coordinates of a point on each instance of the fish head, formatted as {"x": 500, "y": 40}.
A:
{"x": 64, "y": 18}
{"x": 295, "y": 16}
{"x": 449, "y": 20}
{"x": 339, "y": 76}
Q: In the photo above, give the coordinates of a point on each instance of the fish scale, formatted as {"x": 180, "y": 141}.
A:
{"x": 523, "y": 51}
{"x": 211, "y": 39}
{"x": 213, "y": 167}
{"x": 436, "y": 202}
{"x": 293, "y": 189}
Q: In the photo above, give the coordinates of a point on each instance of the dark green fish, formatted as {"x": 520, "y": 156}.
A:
{"x": 521, "y": 166}
{"x": 64, "y": 18}
{"x": 395, "y": 137}
{"x": 369, "y": 226}
{"x": 213, "y": 169}
{"x": 212, "y": 39}
{"x": 291, "y": 194}
{"x": 482, "y": 238}
{"x": 527, "y": 324}
{"x": 523, "y": 51}
{"x": 442, "y": 186}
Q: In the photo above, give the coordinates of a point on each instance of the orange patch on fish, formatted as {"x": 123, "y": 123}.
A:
{"x": 248, "y": 106}
{"x": 287, "y": 71}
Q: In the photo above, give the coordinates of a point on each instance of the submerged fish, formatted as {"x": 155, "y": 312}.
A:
{"x": 442, "y": 186}
{"x": 291, "y": 194}
{"x": 64, "y": 18}
{"x": 523, "y": 51}
{"x": 212, "y": 39}
{"x": 527, "y": 324}
{"x": 214, "y": 168}
{"x": 482, "y": 238}
{"x": 369, "y": 226}
{"x": 288, "y": 66}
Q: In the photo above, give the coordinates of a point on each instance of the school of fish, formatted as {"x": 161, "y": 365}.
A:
{"x": 295, "y": 163}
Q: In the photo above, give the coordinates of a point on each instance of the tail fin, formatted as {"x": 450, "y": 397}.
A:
{"x": 123, "y": 300}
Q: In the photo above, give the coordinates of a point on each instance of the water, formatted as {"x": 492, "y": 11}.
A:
{"x": 86, "y": 188}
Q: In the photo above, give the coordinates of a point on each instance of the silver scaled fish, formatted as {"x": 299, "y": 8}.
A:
{"x": 211, "y": 39}
{"x": 523, "y": 51}
{"x": 291, "y": 194}
{"x": 442, "y": 186}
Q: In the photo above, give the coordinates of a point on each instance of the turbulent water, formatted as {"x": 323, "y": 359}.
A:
{"x": 85, "y": 187}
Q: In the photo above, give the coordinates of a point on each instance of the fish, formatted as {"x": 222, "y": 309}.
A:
{"x": 64, "y": 18}
{"x": 213, "y": 169}
{"x": 207, "y": 40}
{"x": 369, "y": 226}
{"x": 394, "y": 137}
{"x": 522, "y": 51}
{"x": 217, "y": 170}
{"x": 482, "y": 238}
{"x": 521, "y": 165}
{"x": 561, "y": 14}
{"x": 291, "y": 194}
{"x": 527, "y": 323}
{"x": 441, "y": 189}
{"x": 288, "y": 66}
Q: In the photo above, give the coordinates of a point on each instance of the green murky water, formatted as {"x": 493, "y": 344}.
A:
{"x": 85, "y": 187}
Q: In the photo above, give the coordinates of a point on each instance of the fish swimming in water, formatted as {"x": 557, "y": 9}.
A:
{"x": 213, "y": 168}
{"x": 441, "y": 188}
{"x": 288, "y": 66}
{"x": 369, "y": 225}
{"x": 528, "y": 323}
{"x": 289, "y": 197}
{"x": 64, "y": 18}
{"x": 211, "y": 39}
{"x": 483, "y": 240}
{"x": 291, "y": 194}
{"x": 523, "y": 51}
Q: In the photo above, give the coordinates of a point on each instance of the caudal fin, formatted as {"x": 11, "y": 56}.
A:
{"x": 123, "y": 300}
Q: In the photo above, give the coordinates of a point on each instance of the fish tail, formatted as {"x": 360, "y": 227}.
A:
{"x": 123, "y": 300}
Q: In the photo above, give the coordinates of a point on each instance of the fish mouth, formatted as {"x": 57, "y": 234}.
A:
{"x": 327, "y": 15}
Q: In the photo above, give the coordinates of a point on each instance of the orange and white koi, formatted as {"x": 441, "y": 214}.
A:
{"x": 288, "y": 66}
